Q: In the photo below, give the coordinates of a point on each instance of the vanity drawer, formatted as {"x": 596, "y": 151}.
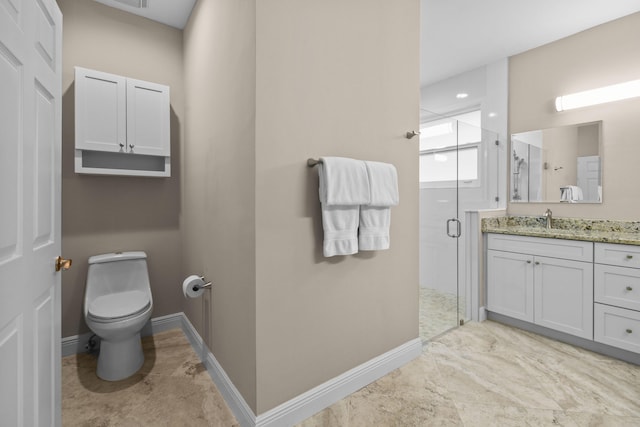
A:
{"x": 614, "y": 254}
{"x": 555, "y": 248}
{"x": 617, "y": 327}
{"x": 619, "y": 286}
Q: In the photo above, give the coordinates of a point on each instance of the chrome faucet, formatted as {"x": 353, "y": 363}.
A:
{"x": 548, "y": 217}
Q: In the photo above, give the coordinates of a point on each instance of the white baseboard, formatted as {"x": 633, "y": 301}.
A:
{"x": 310, "y": 402}
{"x": 291, "y": 412}
{"x": 482, "y": 314}
{"x": 305, "y": 405}
{"x": 76, "y": 343}
{"x": 241, "y": 410}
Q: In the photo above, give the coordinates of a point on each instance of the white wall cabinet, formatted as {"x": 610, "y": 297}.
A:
{"x": 525, "y": 283}
{"x": 122, "y": 125}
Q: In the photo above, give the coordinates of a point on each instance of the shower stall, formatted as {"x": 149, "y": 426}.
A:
{"x": 459, "y": 172}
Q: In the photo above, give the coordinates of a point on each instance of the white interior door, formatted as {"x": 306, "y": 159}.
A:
{"x": 589, "y": 177}
{"x": 30, "y": 145}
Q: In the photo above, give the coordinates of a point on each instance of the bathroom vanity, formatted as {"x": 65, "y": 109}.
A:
{"x": 580, "y": 279}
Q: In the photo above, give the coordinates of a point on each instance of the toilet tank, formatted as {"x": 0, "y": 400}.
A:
{"x": 117, "y": 272}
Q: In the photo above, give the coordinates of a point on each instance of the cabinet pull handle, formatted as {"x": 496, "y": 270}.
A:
{"x": 629, "y": 256}
{"x": 629, "y": 331}
{"x": 629, "y": 288}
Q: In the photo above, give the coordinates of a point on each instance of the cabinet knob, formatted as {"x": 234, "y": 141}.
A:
{"x": 121, "y": 147}
{"x": 537, "y": 262}
{"x": 528, "y": 261}
{"x": 629, "y": 331}
{"x": 629, "y": 256}
{"x": 629, "y": 288}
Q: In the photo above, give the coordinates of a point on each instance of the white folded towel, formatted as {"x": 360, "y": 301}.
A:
{"x": 343, "y": 182}
{"x": 375, "y": 218}
{"x": 344, "y": 186}
{"x": 576, "y": 192}
{"x": 571, "y": 194}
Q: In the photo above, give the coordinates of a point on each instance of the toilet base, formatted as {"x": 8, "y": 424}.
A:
{"x": 120, "y": 359}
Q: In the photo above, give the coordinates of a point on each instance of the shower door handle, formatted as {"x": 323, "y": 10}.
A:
{"x": 458, "y": 228}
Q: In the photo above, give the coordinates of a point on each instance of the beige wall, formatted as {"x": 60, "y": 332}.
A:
{"x": 335, "y": 78}
{"x": 269, "y": 84}
{"x": 266, "y": 85}
{"x": 105, "y": 214}
{"x": 559, "y": 152}
{"x": 600, "y": 56}
{"x": 218, "y": 218}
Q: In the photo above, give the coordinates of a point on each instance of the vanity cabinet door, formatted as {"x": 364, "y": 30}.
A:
{"x": 563, "y": 294}
{"x": 510, "y": 284}
{"x": 101, "y": 111}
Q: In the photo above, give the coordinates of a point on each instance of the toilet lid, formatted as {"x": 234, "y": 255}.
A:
{"x": 120, "y": 304}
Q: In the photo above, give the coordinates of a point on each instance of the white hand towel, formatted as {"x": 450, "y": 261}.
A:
{"x": 344, "y": 186}
{"x": 576, "y": 192}
{"x": 343, "y": 182}
{"x": 375, "y": 218}
{"x": 383, "y": 181}
{"x": 340, "y": 224}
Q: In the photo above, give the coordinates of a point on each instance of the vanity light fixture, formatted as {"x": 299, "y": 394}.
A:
{"x": 597, "y": 96}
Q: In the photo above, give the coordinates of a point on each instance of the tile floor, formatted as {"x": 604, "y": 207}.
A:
{"x": 438, "y": 312}
{"x": 171, "y": 389}
{"x": 481, "y": 374}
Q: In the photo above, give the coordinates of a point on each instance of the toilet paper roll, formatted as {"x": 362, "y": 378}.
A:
{"x": 189, "y": 284}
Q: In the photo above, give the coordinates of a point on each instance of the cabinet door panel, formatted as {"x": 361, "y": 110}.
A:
{"x": 564, "y": 295}
{"x": 101, "y": 111}
{"x": 148, "y": 118}
{"x": 510, "y": 284}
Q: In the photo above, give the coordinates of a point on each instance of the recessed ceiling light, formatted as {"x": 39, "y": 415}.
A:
{"x": 492, "y": 115}
{"x": 462, "y": 95}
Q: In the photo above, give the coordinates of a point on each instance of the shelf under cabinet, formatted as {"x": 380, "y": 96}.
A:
{"x": 127, "y": 164}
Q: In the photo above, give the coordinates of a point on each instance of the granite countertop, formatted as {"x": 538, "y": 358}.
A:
{"x": 591, "y": 230}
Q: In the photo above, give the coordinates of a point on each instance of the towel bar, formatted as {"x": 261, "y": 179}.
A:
{"x": 312, "y": 162}
{"x": 411, "y": 134}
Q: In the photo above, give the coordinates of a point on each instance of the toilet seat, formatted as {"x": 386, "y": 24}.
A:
{"x": 120, "y": 305}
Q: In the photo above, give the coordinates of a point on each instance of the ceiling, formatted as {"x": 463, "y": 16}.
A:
{"x": 174, "y": 13}
{"x": 461, "y": 35}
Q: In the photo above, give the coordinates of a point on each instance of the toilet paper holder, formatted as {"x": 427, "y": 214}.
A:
{"x": 206, "y": 285}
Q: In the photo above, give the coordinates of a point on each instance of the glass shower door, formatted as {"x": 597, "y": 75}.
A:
{"x": 458, "y": 173}
{"x": 439, "y": 228}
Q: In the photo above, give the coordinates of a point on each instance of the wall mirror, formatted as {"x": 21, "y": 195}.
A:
{"x": 561, "y": 164}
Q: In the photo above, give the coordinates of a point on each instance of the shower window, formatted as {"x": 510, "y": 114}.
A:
{"x": 450, "y": 152}
{"x": 442, "y": 167}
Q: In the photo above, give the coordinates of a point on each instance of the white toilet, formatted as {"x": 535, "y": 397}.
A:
{"x": 117, "y": 305}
